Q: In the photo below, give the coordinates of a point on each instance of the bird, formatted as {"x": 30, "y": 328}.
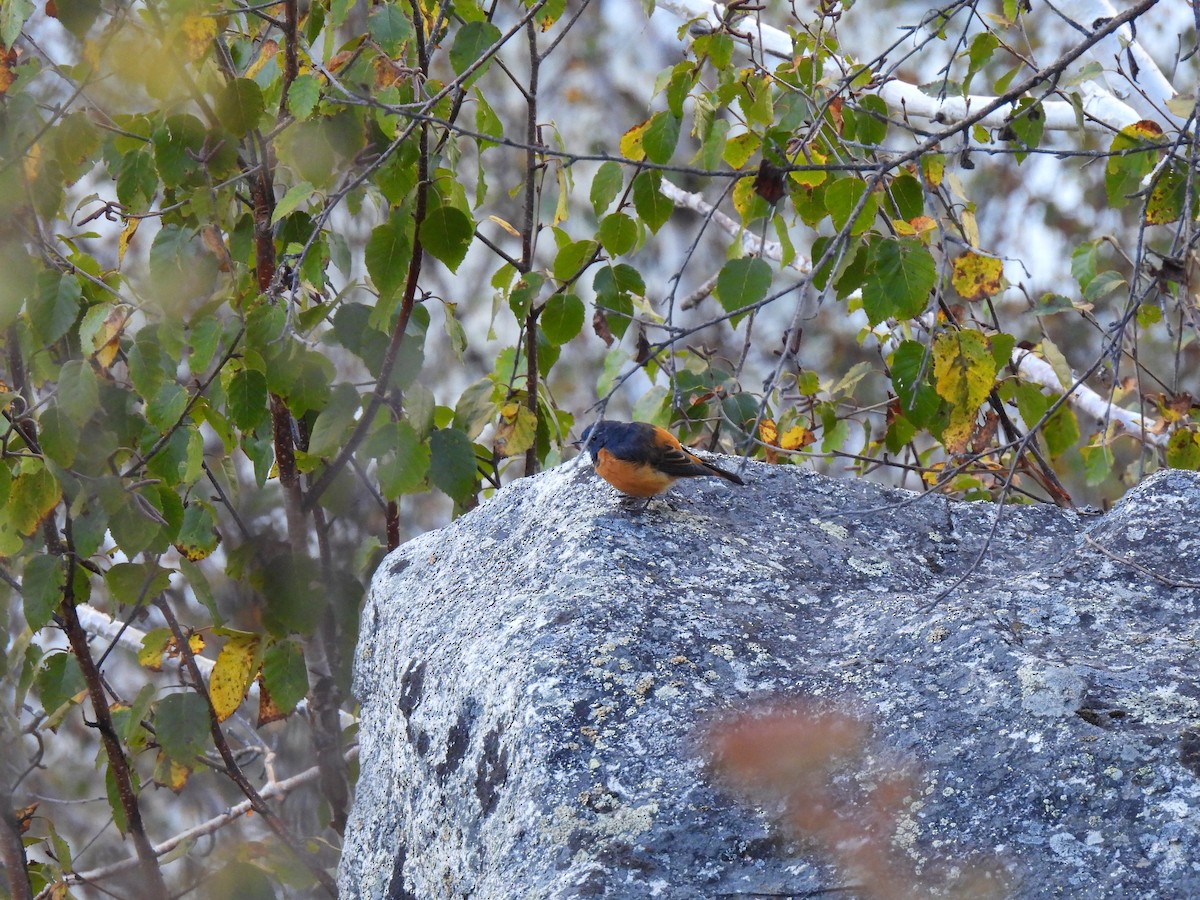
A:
{"x": 643, "y": 460}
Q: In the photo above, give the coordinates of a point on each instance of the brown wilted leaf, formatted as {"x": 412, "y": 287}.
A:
{"x": 268, "y": 712}
{"x": 768, "y": 183}
{"x": 601, "y": 327}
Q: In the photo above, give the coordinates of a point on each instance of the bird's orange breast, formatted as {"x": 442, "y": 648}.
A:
{"x": 634, "y": 479}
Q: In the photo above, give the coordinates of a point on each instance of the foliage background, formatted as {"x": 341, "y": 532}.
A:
{"x": 286, "y": 284}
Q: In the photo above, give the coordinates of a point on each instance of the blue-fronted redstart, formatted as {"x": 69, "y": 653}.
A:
{"x": 641, "y": 460}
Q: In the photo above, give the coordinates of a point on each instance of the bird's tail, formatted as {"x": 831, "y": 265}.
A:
{"x": 717, "y": 470}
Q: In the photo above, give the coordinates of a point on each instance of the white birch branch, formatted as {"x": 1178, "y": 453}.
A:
{"x": 1105, "y": 111}
{"x": 271, "y": 791}
{"x": 103, "y": 625}
{"x": 752, "y": 244}
{"x": 1083, "y": 400}
{"x": 1130, "y": 73}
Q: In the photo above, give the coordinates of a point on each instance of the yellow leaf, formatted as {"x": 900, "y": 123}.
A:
{"x": 126, "y": 238}
{"x": 796, "y": 438}
{"x": 516, "y": 432}
{"x": 169, "y": 773}
{"x": 8, "y": 61}
{"x": 970, "y": 227}
{"x": 198, "y": 34}
{"x": 976, "y": 277}
{"x": 964, "y": 372}
{"x": 768, "y": 433}
{"x": 562, "y": 207}
{"x": 1144, "y": 130}
{"x": 813, "y": 177}
{"x": 631, "y": 142}
{"x": 265, "y": 54}
{"x": 107, "y": 340}
{"x": 32, "y": 163}
{"x": 232, "y": 672}
{"x": 154, "y": 644}
{"x": 506, "y": 226}
{"x": 933, "y": 165}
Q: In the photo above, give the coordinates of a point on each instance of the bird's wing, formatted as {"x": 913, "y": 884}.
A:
{"x": 678, "y": 462}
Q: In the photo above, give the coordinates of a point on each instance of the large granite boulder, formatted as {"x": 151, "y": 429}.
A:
{"x": 533, "y": 676}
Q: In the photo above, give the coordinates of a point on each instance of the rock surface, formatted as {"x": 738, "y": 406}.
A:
{"x": 532, "y": 678}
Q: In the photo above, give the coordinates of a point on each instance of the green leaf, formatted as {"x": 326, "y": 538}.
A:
{"x": 909, "y": 196}
{"x": 285, "y": 675}
{"x": 42, "y": 585}
{"x": 572, "y": 258}
{"x": 871, "y": 120}
{"x": 472, "y": 41}
{"x": 1102, "y": 285}
{"x": 842, "y": 196}
{"x": 712, "y": 150}
{"x": 240, "y": 105}
{"x": 405, "y": 470}
{"x": 900, "y": 275}
{"x": 32, "y": 497}
{"x": 334, "y": 421}
{"x": 131, "y": 583}
{"x": 1124, "y": 171}
{"x": 296, "y": 599}
{"x": 13, "y": 14}
{"x": 247, "y": 396}
{"x": 55, "y": 306}
{"x": 454, "y": 330}
{"x": 1027, "y": 125}
{"x": 651, "y": 204}
{"x": 1097, "y": 463}
{"x": 918, "y": 400}
{"x": 618, "y": 233}
{"x": 201, "y": 588}
{"x": 78, "y": 392}
{"x": 476, "y": 407}
{"x": 181, "y": 725}
{"x": 59, "y": 681}
{"x": 169, "y": 402}
{"x": 453, "y": 468}
{"x": 446, "y": 233}
{"x": 1085, "y": 262}
{"x": 742, "y": 283}
{"x": 178, "y": 147}
{"x": 303, "y": 95}
{"x": 292, "y": 200}
{"x": 204, "y": 337}
{"x": 114, "y": 798}
{"x": 661, "y": 136}
{"x": 486, "y": 121}
{"x": 389, "y": 27}
{"x": 606, "y": 184}
{"x": 137, "y": 179}
{"x": 59, "y": 436}
{"x": 1183, "y": 450}
{"x": 388, "y": 254}
{"x": 562, "y": 318}
{"x": 198, "y": 536}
